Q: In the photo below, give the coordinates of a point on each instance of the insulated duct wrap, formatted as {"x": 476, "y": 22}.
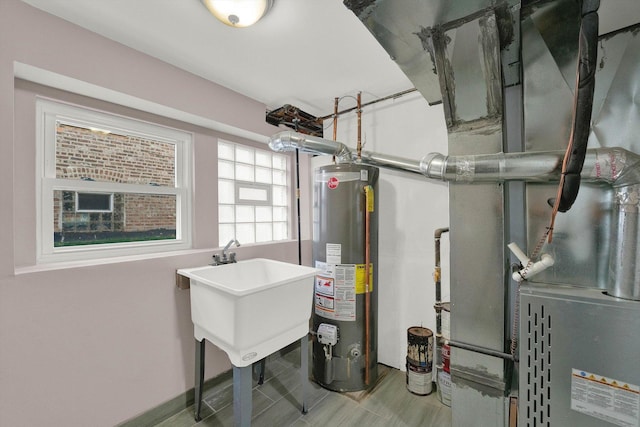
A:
{"x": 582, "y": 106}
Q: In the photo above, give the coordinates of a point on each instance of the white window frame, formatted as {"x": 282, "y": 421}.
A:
{"x": 48, "y": 114}
{"x": 243, "y": 185}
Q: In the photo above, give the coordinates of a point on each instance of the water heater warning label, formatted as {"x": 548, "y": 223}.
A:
{"x": 614, "y": 401}
{"x": 335, "y": 291}
{"x": 361, "y": 283}
{"x": 334, "y": 253}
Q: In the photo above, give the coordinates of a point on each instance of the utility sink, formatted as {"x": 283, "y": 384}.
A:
{"x": 251, "y": 308}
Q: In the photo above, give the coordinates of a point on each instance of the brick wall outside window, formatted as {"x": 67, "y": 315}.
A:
{"x": 90, "y": 155}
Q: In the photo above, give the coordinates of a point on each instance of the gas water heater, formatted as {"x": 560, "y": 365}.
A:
{"x": 345, "y": 250}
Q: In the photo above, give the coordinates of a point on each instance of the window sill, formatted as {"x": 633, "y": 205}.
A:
{"x": 50, "y": 266}
{"x": 64, "y": 265}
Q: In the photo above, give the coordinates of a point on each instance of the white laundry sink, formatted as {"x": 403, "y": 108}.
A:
{"x": 251, "y": 308}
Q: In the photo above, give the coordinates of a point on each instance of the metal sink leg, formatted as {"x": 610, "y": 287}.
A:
{"x": 199, "y": 378}
{"x": 242, "y": 404}
{"x": 304, "y": 371}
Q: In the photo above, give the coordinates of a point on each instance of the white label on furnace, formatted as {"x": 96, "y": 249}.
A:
{"x": 614, "y": 401}
{"x": 334, "y": 253}
{"x": 364, "y": 175}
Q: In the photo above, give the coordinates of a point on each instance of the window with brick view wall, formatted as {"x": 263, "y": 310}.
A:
{"x": 84, "y": 154}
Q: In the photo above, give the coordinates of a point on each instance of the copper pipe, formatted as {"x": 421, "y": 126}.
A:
{"x": 335, "y": 122}
{"x": 359, "y": 111}
{"x": 367, "y": 296}
{"x": 366, "y": 104}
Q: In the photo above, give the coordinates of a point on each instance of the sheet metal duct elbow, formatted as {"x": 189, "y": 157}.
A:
{"x": 434, "y": 165}
{"x": 291, "y": 141}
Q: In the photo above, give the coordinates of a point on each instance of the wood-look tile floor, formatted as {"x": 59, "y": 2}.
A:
{"x": 277, "y": 402}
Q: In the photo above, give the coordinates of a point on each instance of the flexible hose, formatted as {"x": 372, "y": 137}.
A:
{"x": 581, "y": 113}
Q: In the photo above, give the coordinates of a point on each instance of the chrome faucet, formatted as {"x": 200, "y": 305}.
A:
{"x": 232, "y": 255}
{"x": 226, "y": 257}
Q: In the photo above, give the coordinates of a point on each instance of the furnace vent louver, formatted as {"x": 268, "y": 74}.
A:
{"x": 537, "y": 356}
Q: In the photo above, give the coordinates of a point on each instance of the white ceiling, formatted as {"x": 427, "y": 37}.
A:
{"x": 303, "y": 52}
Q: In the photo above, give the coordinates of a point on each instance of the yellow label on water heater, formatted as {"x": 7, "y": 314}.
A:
{"x": 368, "y": 192}
{"x": 361, "y": 285}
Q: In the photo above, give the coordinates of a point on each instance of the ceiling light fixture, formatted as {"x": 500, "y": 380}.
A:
{"x": 238, "y": 13}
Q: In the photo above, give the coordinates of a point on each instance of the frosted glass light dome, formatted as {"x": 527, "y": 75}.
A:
{"x": 238, "y": 13}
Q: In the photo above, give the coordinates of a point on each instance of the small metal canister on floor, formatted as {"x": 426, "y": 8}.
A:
{"x": 419, "y": 360}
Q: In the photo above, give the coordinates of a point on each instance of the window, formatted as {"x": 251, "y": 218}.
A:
{"x": 94, "y": 202}
{"x": 109, "y": 185}
{"x": 253, "y": 194}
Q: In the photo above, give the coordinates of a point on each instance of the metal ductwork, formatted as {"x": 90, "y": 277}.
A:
{"x": 464, "y": 54}
{"x": 528, "y": 96}
{"x": 616, "y": 167}
{"x": 291, "y": 141}
{"x": 412, "y": 31}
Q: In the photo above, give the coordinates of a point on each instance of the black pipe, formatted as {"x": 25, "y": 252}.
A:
{"x": 295, "y": 124}
{"x": 582, "y": 105}
{"x": 483, "y": 350}
{"x": 298, "y": 206}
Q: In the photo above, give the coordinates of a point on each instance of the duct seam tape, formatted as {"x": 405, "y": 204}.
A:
{"x": 465, "y": 168}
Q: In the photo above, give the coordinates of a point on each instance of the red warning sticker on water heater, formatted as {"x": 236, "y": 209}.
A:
{"x": 333, "y": 183}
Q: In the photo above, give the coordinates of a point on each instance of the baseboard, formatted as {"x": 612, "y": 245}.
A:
{"x": 183, "y": 401}
{"x": 177, "y": 404}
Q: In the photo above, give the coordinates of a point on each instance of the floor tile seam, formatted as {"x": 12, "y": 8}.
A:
{"x": 210, "y": 407}
{"x": 254, "y": 389}
{"x": 301, "y": 419}
{"x": 310, "y": 409}
{"x": 216, "y": 390}
{"x": 215, "y": 411}
{"x": 273, "y": 402}
{"x": 269, "y": 406}
{"x": 318, "y": 402}
{"x": 172, "y": 417}
{"x": 281, "y": 366}
{"x": 231, "y": 404}
{"x": 289, "y": 392}
{"x": 202, "y": 420}
{"x": 270, "y": 379}
{"x": 286, "y": 366}
{"x": 197, "y": 423}
{"x": 436, "y": 404}
{"x": 383, "y": 416}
